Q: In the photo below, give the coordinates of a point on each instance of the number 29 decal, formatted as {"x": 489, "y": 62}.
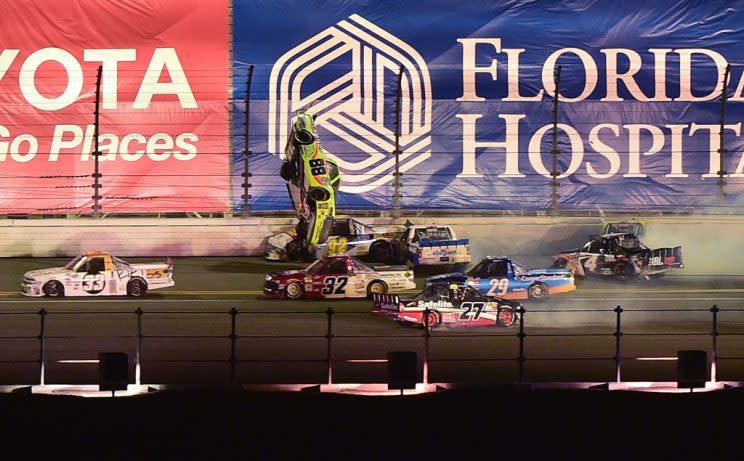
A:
{"x": 499, "y": 287}
{"x": 334, "y": 285}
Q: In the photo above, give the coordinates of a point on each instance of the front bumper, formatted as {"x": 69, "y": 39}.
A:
{"x": 33, "y": 290}
{"x": 272, "y": 290}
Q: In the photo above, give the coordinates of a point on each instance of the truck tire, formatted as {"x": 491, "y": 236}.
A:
{"x": 53, "y": 289}
{"x": 381, "y": 251}
{"x": 538, "y": 291}
{"x": 294, "y": 290}
{"x": 622, "y": 271}
{"x": 297, "y": 250}
{"x": 287, "y": 172}
{"x": 506, "y": 317}
{"x": 304, "y": 137}
{"x": 136, "y": 287}
{"x": 301, "y": 229}
{"x": 400, "y": 254}
{"x": 433, "y": 318}
{"x": 376, "y": 286}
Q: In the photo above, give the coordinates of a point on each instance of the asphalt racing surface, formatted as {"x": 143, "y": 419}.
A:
{"x": 186, "y": 331}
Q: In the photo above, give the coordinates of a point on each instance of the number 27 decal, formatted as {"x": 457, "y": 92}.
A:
{"x": 499, "y": 287}
{"x": 471, "y": 311}
{"x": 334, "y": 285}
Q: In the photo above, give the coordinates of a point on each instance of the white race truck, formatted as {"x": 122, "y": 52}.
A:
{"x": 97, "y": 273}
{"x": 433, "y": 245}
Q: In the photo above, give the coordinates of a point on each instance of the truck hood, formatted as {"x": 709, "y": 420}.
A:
{"x": 41, "y": 274}
{"x": 453, "y": 277}
{"x": 286, "y": 274}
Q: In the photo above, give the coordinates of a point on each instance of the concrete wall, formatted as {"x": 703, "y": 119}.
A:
{"x": 711, "y": 244}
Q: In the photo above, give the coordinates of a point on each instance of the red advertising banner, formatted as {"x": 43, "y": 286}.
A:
{"x": 164, "y": 133}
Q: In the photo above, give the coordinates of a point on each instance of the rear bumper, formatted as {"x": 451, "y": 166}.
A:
{"x": 440, "y": 260}
{"x": 562, "y": 289}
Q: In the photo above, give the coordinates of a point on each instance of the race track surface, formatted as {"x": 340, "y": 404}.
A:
{"x": 186, "y": 331}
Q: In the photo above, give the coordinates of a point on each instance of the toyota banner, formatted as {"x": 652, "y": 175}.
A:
{"x": 163, "y": 109}
{"x": 514, "y": 105}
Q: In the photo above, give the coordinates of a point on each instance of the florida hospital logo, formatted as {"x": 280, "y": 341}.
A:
{"x": 347, "y": 76}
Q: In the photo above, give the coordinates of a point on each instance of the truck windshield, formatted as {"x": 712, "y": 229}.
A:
{"x": 76, "y": 263}
{"x": 313, "y": 268}
{"x": 518, "y": 268}
{"x": 630, "y": 242}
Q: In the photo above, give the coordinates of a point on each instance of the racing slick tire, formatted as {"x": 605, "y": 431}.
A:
{"x": 301, "y": 229}
{"x": 506, "y": 317}
{"x": 622, "y": 271}
{"x": 317, "y": 194}
{"x": 296, "y": 250}
{"x": 400, "y": 252}
{"x": 287, "y": 171}
{"x": 294, "y": 290}
{"x": 432, "y": 319}
{"x": 304, "y": 137}
{"x": 136, "y": 287}
{"x": 376, "y": 286}
{"x": 538, "y": 291}
{"x": 53, "y": 289}
{"x": 381, "y": 251}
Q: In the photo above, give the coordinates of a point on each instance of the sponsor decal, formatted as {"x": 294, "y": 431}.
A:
{"x": 352, "y": 105}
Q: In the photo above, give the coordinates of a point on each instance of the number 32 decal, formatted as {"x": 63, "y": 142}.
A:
{"x": 499, "y": 287}
{"x": 334, "y": 285}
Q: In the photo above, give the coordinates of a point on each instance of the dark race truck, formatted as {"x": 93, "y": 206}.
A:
{"x": 619, "y": 255}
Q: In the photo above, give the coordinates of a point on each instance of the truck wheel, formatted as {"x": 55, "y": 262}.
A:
{"x": 136, "y": 288}
{"x": 293, "y": 290}
{"x": 400, "y": 255}
{"x": 622, "y": 271}
{"x": 538, "y": 291}
{"x": 304, "y": 137}
{"x": 381, "y": 251}
{"x": 286, "y": 171}
{"x": 317, "y": 194}
{"x": 432, "y": 319}
{"x": 53, "y": 289}
{"x": 376, "y": 286}
{"x": 506, "y": 317}
{"x": 296, "y": 250}
{"x": 301, "y": 229}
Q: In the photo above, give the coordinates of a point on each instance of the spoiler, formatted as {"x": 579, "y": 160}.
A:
{"x": 443, "y": 243}
{"x": 386, "y": 302}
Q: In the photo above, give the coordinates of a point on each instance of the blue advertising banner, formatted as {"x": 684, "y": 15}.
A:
{"x": 638, "y": 113}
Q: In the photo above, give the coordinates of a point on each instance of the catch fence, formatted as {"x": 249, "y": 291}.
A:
{"x": 242, "y": 346}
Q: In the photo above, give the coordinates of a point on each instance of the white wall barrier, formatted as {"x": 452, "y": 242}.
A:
{"x": 711, "y": 244}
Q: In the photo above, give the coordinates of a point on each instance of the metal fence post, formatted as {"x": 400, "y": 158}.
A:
{"x": 42, "y": 344}
{"x": 521, "y": 335}
{"x": 329, "y": 340}
{"x": 138, "y": 351}
{"x": 427, "y": 335}
{"x": 233, "y": 339}
{"x": 618, "y": 334}
{"x": 714, "y": 352}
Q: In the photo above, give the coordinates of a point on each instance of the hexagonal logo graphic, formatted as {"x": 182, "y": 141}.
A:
{"x": 347, "y": 75}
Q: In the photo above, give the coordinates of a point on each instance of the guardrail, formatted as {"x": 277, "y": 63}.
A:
{"x": 331, "y": 338}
